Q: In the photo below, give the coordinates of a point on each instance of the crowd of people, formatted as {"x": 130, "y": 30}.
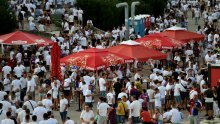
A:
{"x": 126, "y": 93}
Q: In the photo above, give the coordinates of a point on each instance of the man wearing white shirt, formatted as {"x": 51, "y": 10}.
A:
{"x": 8, "y": 120}
{"x": 102, "y": 85}
{"x": 31, "y": 86}
{"x": 177, "y": 88}
{"x": 88, "y": 96}
{"x": 6, "y": 70}
{"x": 18, "y": 70}
{"x": 135, "y": 110}
{"x": 48, "y": 102}
{"x": 16, "y": 87}
{"x": 103, "y": 110}
{"x": 162, "y": 90}
{"x": 175, "y": 115}
{"x": 7, "y": 84}
{"x": 31, "y": 104}
{"x": 87, "y": 79}
{"x": 63, "y": 107}
{"x": 67, "y": 83}
{"x": 87, "y": 115}
{"x": 39, "y": 111}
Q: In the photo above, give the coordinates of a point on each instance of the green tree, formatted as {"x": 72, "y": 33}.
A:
{"x": 8, "y": 22}
{"x": 105, "y": 15}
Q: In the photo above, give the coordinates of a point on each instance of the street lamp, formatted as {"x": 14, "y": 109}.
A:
{"x": 125, "y": 5}
{"x": 133, "y": 4}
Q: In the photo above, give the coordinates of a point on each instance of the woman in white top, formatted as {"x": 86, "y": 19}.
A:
{"x": 55, "y": 93}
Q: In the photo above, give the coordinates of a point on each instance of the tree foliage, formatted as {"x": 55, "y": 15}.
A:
{"x": 8, "y": 22}
{"x": 105, "y": 15}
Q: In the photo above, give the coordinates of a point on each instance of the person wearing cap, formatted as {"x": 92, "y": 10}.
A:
{"x": 87, "y": 115}
{"x": 39, "y": 111}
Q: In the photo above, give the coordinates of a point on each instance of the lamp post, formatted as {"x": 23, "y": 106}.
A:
{"x": 133, "y": 4}
{"x": 125, "y": 5}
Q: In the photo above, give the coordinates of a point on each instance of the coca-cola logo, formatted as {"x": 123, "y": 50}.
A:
{"x": 19, "y": 42}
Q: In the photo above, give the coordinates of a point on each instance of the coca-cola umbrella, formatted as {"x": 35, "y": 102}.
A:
{"x": 182, "y": 35}
{"x": 136, "y": 51}
{"x": 23, "y": 38}
{"x": 94, "y": 59}
{"x": 158, "y": 41}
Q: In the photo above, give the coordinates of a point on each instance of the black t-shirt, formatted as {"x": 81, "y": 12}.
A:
{"x": 26, "y": 62}
{"x": 117, "y": 87}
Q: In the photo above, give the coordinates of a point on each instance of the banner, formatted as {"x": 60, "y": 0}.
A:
{"x": 214, "y": 74}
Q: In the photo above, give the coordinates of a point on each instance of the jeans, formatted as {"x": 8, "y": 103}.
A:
{"x": 103, "y": 94}
{"x": 120, "y": 119}
{"x": 136, "y": 120}
{"x": 194, "y": 119}
{"x": 23, "y": 94}
{"x": 63, "y": 115}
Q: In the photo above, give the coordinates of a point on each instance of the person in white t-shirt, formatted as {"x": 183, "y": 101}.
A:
{"x": 110, "y": 97}
{"x": 7, "y": 120}
{"x": 7, "y": 83}
{"x": 151, "y": 105}
{"x": 31, "y": 104}
{"x": 87, "y": 115}
{"x": 162, "y": 90}
{"x": 16, "y": 87}
{"x": 6, "y": 70}
{"x": 2, "y": 113}
{"x": 176, "y": 116}
{"x": 102, "y": 85}
{"x": 39, "y": 111}
{"x": 88, "y": 96}
{"x": 157, "y": 97}
{"x": 135, "y": 107}
{"x": 63, "y": 108}
{"x": 103, "y": 109}
{"x": 48, "y": 102}
{"x": 18, "y": 70}
{"x": 31, "y": 86}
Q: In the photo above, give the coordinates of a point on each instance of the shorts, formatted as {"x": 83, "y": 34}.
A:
{"x": 162, "y": 101}
{"x": 209, "y": 105}
{"x": 75, "y": 18}
{"x": 66, "y": 92}
{"x": 151, "y": 106}
{"x": 184, "y": 95}
{"x": 177, "y": 99}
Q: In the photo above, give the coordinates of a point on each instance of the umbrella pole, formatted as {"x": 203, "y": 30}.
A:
{"x": 2, "y": 47}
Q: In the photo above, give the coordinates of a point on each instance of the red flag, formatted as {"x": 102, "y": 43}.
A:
{"x": 55, "y": 62}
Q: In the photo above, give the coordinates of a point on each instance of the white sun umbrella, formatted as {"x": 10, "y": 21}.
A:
{"x": 130, "y": 42}
{"x": 174, "y": 28}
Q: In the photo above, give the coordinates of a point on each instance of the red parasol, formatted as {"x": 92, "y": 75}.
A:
{"x": 55, "y": 62}
{"x": 182, "y": 35}
{"x": 158, "y": 41}
{"x": 137, "y": 51}
{"x": 23, "y": 38}
{"x": 95, "y": 59}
